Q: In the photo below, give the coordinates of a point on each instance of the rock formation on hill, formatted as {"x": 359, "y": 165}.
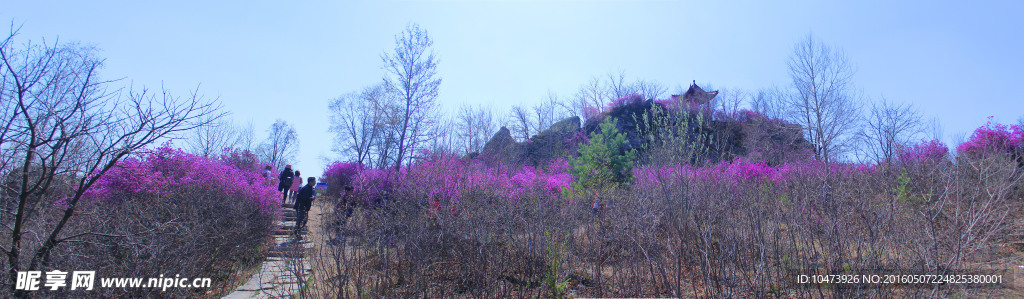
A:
{"x": 740, "y": 134}
{"x": 560, "y": 140}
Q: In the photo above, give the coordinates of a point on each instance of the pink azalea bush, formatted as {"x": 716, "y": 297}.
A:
{"x": 993, "y": 138}
{"x": 743, "y": 173}
{"x": 167, "y": 172}
{"x": 444, "y": 181}
{"x": 176, "y": 213}
{"x": 338, "y": 175}
{"x": 931, "y": 151}
{"x": 623, "y": 101}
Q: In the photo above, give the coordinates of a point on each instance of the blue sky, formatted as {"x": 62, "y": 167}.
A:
{"x": 959, "y": 61}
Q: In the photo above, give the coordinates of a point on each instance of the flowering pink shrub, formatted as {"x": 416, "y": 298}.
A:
{"x": 742, "y": 172}
{"x": 924, "y": 152}
{"x": 168, "y": 172}
{"x": 623, "y": 101}
{"x": 993, "y": 138}
{"x": 446, "y": 180}
{"x": 338, "y": 175}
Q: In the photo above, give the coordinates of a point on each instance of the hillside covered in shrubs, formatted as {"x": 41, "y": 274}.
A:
{"x": 710, "y": 204}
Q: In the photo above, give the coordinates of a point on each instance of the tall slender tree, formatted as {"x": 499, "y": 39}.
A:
{"x": 823, "y": 101}
{"x": 411, "y": 73}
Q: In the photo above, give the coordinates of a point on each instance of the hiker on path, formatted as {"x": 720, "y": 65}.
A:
{"x": 267, "y": 175}
{"x": 296, "y": 184}
{"x": 302, "y": 204}
{"x": 285, "y": 182}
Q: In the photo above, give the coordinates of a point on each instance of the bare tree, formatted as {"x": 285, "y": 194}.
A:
{"x": 521, "y": 122}
{"x": 245, "y": 136}
{"x": 211, "y": 139}
{"x": 888, "y": 128}
{"x": 475, "y": 126}
{"x": 934, "y": 127}
{"x": 769, "y": 102}
{"x": 728, "y": 100}
{"x": 617, "y": 86}
{"x": 589, "y": 99}
{"x": 649, "y": 89}
{"x": 546, "y": 113}
{"x": 823, "y": 101}
{"x": 281, "y": 145}
{"x": 411, "y": 73}
{"x": 356, "y": 122}
{"x": 444, "y": 139}
{"x": 63, "y": 127}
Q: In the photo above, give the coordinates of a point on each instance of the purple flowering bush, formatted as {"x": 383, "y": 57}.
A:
{"x": 337, "y": 175}
{"x": 994, "y": 139}
{"x": 932, "y": 151}
{"x": 166, "y": 172}
{"x": 173, "y": 213}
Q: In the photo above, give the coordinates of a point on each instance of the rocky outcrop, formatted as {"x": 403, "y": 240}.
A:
{"x": 502, "y": 147}
{"x": 558, "y": 141}
{"x": 742, "y": 134}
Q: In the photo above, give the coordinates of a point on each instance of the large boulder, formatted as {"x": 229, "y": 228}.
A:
{"x": 556, "y": 142}
{"x": 502, "y": 147}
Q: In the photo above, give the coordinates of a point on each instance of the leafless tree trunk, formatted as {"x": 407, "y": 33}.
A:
{"x": 411, "y": 72}
{"x": 281, "y": 145}
{"x": 824, "y": 102}
{"x": 62, "y": 124}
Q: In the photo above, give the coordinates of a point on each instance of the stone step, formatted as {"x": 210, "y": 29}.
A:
{"x": 288, "y": 205}
{"x": 289, "y": 240}
{"x": 286, "y": 254}
{"x": 288, "y": 213}
{"x": 288, "y": 231}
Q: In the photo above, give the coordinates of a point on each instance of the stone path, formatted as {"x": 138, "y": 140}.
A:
{"x": 286, "y": 269}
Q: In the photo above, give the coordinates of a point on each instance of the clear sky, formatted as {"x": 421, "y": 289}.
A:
{"x": 959, "y": 61}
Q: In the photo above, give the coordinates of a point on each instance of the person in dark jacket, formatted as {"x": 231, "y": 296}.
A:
{"x": 285, "y": 182}
{"x": 302, "y": 204}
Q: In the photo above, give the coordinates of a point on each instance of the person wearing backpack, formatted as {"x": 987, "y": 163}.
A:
{"x": 285, "y": 182}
